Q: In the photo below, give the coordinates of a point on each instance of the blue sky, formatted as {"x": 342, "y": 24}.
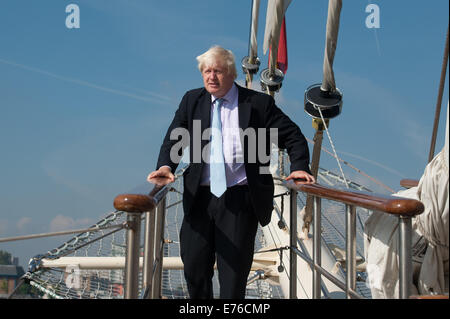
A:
{"x": 83, "y": 111}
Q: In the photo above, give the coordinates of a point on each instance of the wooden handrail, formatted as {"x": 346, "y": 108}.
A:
{"x": 388, "y": 204}
{"x": 134, "y": 203}
{"x": 141, "y": 203}
{"x": 409, "y": 183}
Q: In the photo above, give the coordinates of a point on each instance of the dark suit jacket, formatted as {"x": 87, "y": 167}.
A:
{"x": 256, "y": 110}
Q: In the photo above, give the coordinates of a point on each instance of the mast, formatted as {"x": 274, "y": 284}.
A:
{"x": 439, "y": 101}
{"x": 323, "y": 101}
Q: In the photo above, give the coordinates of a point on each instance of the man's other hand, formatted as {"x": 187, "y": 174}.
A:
{"x": 162, "y": 172}
{"x": 301, "y": 177}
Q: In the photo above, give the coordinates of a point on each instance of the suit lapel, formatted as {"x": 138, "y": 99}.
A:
{"x": 205, "y": 111}
{"x": 244, "y": 108}
{"x": 205, "y": 115}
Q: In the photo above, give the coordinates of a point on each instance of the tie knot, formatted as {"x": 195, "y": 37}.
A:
{"x": 219, "y": 102}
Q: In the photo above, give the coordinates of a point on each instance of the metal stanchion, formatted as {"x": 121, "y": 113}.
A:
{"x": 317, "y": 255}
{"x": 149, "y": 253}
{"x": 159, "y": 249}
{"x": 405, "y": 256}
{"x": 350, "y": 220}
{"x": 293, "y": 243}
{"x": 132, "y": 255}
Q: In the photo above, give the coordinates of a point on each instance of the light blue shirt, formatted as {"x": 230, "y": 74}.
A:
{"x": 232, "y": 146}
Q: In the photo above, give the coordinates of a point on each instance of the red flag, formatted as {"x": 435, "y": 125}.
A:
{"x": 282, "y": 61}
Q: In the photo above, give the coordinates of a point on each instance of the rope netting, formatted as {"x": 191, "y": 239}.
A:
{"x": 75, "y": 283}
{"x": 81, "y": 283}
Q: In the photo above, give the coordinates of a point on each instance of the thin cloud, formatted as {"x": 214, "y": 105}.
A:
{"x": 61, "y": 223}
{"x": 376, "y": 37}
{"x": 391, "y": 170}
{"x": 4, "y": 227}
{"x": 23, "y": 223}
{"x": 161, "y": 97}
{"x": 155, "y": 98}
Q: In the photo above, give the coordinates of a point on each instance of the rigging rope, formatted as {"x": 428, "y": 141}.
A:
{"x": 339, "y": 164}
{"x": 355, "y": 168}
{"x": 60, "y": 233}
{"x": 332, "y": 146}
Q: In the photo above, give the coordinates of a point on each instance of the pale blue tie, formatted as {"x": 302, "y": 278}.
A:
{"x": 217, "y": 176}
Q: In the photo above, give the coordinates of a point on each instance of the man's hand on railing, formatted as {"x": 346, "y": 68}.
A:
{"x": 301, "y": 177}
{"x": 162, "y": 176}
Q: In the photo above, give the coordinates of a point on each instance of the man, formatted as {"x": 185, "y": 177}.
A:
{"x": 223, "y": 202}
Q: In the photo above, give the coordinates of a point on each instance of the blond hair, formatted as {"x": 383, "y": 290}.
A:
{"x": 217, "y": 54}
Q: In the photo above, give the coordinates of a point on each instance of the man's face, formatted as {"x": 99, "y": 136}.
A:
{"x": 217, "y": 80}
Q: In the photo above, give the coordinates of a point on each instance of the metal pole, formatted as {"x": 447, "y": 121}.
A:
{"x": 159, "y": 248}
{"x": 317, "y": 256}
{"x": 318, "y": 138}
{"x": 327, "y": 275}
{"x": 350, "y": 220}
{"x": 149, "y": 253}
{"x": 132, "y": 255}
{"x": 281, "y": 162}
{"x": 439, "y": 101}
{"x": 66, "y": 232}
{"x": 293, "y": 243}
{"x": 405, "y": 256}
{"x": 162, "y": 207}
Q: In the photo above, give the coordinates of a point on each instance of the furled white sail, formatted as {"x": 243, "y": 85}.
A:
{"x": 334, "y": 12}
{"x": 381, "y": 235}
{"x": 253, "y": 51}
{"x": 433, "y": 223}
{"x": 274, "y": 18}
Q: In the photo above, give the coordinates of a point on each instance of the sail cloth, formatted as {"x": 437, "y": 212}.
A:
{"x": 282, "y": 59}
{"x": 334, "y": 13}
{"x": 274, "y": 18}
{"x": 381, "y": 235}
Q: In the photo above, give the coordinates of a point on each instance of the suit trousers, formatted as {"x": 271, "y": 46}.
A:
{"x": 222, "y": 228}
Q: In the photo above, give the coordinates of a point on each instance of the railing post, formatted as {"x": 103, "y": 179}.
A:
{"x": 132, "y": 255}
{"x": 350, "y": 220}
{"x": 159, "y": 248}
{"x": 405, "y": 256}
{"x": 149, "y": 254}
{"x": 293, "y": 243}
{"x": 281, "y": 162}
{"x": 404, "y": 208}
{"x": 317, "y": 256}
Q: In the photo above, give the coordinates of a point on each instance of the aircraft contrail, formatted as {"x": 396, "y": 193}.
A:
{"x": 376, "y": 37}
{"x": 155, "y": 97}
{"x": 391, "y": 170}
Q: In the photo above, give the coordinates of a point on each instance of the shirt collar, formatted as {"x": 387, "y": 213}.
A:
{"x": 230, "y": 96}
